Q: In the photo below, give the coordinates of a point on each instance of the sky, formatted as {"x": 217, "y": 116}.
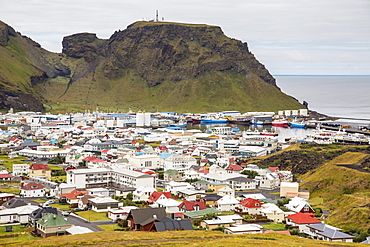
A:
{"x": 290, "y": 37}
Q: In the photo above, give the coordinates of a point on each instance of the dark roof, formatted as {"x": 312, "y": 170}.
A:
{"x": 211, "y": 197}
{"x": 144, "y": 216}
{"x": 126, "y": 189}
{"x": 41, "y": 212}
{"x": 17, "y": 202}
{"x": 241, "y": 179}
{"x": 171, "y": 225}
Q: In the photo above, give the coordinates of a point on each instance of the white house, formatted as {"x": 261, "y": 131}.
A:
{"x": 145, "y": 161}
{"x": 227, "y": 203}
{"x": 120, "y": 213}
{"x": 170, "y": 205}
{"x": 18, "y": 214}
{"x": 272, "y": 212}
{"x": 21, "y": 169}
{"x": 142, "y": 193}
{"x": 32, "y": 190}
{"x": 244, "y": 229}
{"x": 174, "y": 187}
{"x": 179, "y": 162}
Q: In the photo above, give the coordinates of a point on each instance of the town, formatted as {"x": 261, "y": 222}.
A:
{"x": 77, "y": 173}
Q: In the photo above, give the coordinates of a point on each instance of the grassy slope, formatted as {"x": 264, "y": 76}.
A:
{"x": 15, "y": 66}
{"x": 180, "y": 238}
{"x": 184, "y": 96}
{"x": 343, "y": 191}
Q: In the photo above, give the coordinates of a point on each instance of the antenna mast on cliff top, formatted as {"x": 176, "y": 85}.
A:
{"x": 156, "y": 16}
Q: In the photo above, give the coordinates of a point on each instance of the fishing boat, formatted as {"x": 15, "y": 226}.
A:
{"x": 213, "y": 120}
{"x": 241, "y": 121}
{"x": 297, "y": 124}
{"x": 280, "y": 123}
{"x": 267, "y": 133}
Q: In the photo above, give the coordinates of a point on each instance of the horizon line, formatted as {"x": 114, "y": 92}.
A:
{"x": 317, "y": 75}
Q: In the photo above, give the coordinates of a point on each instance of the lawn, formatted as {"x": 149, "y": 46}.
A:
{"x": 9, "y": 187}
{"x": 54, "y": 167}
{"x": 16, "y": 229}
{"x": 109, "y": 227}
{"x": 92, "y": 215}
{"x": 8, "y": 163}
{"x": 275, "y": 227}
{"x": 61, "y": 206}
{"x": 40, "y": 200}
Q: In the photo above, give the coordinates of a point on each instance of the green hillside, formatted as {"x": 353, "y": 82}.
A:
{"x": 149, "y": 66}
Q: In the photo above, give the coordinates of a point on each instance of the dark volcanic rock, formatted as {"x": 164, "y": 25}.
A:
{"x": 20, "y": 101}
{"x": 81, "y": 45}
{"x": 165, "y": 51}
{"x": 5, "y": 31}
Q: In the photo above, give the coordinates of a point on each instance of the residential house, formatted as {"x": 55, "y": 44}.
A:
{"x": 299, "y": 205}
{"x": 289, "y": 189}
{"x": 215, "y": 186}
{"x": 211, "y": 199}
{"x": 18, "y": 214}
{"x": 172, "y": 175}
{"x": 103, "y": 204}
{"x": 227, "y": 203}
{"x": 5, "y": 176}
{"x": 4, "y": 197}
{"x": 21, "y": 169}
{"x": 18, "y": 202}
{"x": 170, "y": 205}
{"x": 234, "y": 168}
{"x": 301, "y": 220}
{"x": 142, "y": 193}
{"x": 191, "y": 194}
{"x": 224, "y": 191}
{"x": 124, "y": 191}
{"x": 52, "y": 225}
{"x": 32, "y": 189}
{"x": 179, "y": 162}
{"x": 272, "y": 212}
{"x": 187, "y": 206}
{"x": 242, "y": 183}
{"x": 222, "y": 220}
{"x": 145, "y": 161}
{"x": 244, "y": 229}
{"x": 121, "y": 213}
{"x": 159, "y": 196}
{"x": 328, "y": 233}
{"x": 174, "y": 187}
{"x": 250, "y": 206}
{"x": 268, "y": 180}
{"x": 155, "y": 219}
{"x": 40, "y": 170}
{"x": 74, "y": 230}
{"x": 39, "y": 213}
{"x": 73, "y": 197}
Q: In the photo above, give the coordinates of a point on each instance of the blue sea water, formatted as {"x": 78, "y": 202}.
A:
{"x": 337, "y": 96}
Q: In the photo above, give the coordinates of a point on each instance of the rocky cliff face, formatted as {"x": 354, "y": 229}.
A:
{"x": 167, "y": 51}
{"x": 148, "y": 66}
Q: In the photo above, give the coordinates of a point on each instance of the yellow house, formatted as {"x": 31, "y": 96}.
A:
{"x": 215, "y": 186}
{"x": 40, "y": 170}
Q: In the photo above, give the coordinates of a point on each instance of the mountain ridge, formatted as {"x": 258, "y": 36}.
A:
{"x": 149, "y": 66}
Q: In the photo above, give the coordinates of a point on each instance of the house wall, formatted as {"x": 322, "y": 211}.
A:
{"x": 33, "y": 193}
{"x": 41, "y": 173}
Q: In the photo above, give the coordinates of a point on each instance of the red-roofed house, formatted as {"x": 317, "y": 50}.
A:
{"x": 301, "y": 220}
{"x": 187, "y": 206}
{"x": 73, "y": 197}
{"x": 93, "y": 162}
{"x": 5, "y": 177}
{"x": 273, "y": 169}
{"x": 162, "y": 149}
{"x": 232, "y": 161}
{"x": 204, "y": 171}
{"x": 32, "y": 190}
{"x": 155, "y": 196}
{"x": 250, "y": 206}
{"x": 40, "y": 170}
{"x": 234, "y": 169}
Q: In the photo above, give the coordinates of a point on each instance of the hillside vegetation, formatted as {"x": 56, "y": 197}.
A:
{"x": 149, "y": 66}
{"x": 178, "y": 238}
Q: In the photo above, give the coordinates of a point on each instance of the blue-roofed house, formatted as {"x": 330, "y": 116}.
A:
{"x": 328, "y": 233}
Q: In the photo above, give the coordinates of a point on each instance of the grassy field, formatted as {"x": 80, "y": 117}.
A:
{"x": 8, "y": 163}
{"x": 92, "y": 215}
{"x": 179, "y": 238}
{"x": 10, "y": 187}
{"x": 62, "y": 206}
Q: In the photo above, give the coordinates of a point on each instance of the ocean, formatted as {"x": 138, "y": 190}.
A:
{"x": 336, "y": 96}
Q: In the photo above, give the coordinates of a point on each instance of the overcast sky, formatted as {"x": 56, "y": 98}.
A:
{"x": 290, "y": 37}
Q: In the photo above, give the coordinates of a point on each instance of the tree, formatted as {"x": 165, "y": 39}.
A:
{"x": 250, "y": 174}
{"x": 130, "y": 196}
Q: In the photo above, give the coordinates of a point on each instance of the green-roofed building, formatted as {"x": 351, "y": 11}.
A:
{"x": 52, "y": 225}
{"x": 200, "y": 213}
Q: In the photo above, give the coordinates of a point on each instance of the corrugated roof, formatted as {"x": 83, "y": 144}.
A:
{"x": 201, "y": 212}
{"x": 53, "y": 220}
